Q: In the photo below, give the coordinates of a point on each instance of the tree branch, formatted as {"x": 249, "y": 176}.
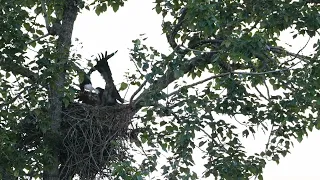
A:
{"x": 33, "y": 40}
{"x": 15, "y": 98}
{"x": 137, "y": 91}
{"x": 262, "y": 95}
{"x": 205, "y": 41}
{"x": 195, "y": 50}
{"x": 16, "y": 69}
{"x": 141, "y": 86}
{"x": 227, "y": 74}
{"x": 188, "y": 66}
{"x": 296, "y": 54}
{"x": 169, "y": 77}
{"x": 281, "y": 50}
{"x": 135, "y": 64}
{"x": 199, "y": 82}
{"x": 313, "y": 1}
{"x": 54, "y": 30}
{"x": 176, "y": 28}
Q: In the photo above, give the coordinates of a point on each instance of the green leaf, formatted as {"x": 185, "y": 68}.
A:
{"x": 318, "y": 124}
{"x": 294, "y": 36}
{"x": 202, "y": 143}
{"x": 299, "y": 137}
{"x": 199, "y": 72}
{"x": 226, "y": 43}
{"x": 158, "y": 8}
{"x": 33, "y": 44}
{"x": 123, "y": 86}
{"x": 115, "y": 7}
{"x": 39, "y": 32}
{"x": 16, "y": 173}
{"x": 66, "y": 102}
{"x": 27, "y": 26}
{"x": 268, "y": 153}
{"x": 178, "y": 73}
{"x": 245, "y": 133}
{"x": 101, "y": 8}
{"x": 145, "y": 66}
{"x": 162, "y": 123}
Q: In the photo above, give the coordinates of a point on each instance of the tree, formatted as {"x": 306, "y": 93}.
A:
{"x": 231, "y": 46}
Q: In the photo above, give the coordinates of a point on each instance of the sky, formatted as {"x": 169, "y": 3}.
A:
{"x": 115, "y": 31}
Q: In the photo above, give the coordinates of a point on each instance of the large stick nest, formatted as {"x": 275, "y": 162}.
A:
{"x": 93, "y": 138}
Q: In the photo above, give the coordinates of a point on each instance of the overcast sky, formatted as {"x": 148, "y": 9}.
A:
{"x": 115, "y": 31}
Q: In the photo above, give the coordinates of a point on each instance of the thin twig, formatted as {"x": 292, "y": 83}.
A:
{"x": 141, "y": 86}
{"x": 238, "y": 121}
{"x": 195, "y": 50}
{"x": 268, "y": 91}
{"x": 199, "y": 82}
{"x": 222, "y": 145}
{"x": 261, "y": 93}
{"x": 38, "y": 38}
{"x": 126, "y": 91}
{"x": 296, "y": 55}
{"x": 135, "y": 64}
{"x": 261, "y": 73}
{"x": 45, "y": 15}
{"x": 269, "y": 138}
{"x": 226, "y": 74}
{"x": 281, "y": 50}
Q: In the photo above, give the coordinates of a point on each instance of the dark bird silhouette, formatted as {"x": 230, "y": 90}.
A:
{"x": 109, "y": 95}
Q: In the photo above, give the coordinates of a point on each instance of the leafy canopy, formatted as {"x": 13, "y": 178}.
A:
{"x": 241, "y": 82}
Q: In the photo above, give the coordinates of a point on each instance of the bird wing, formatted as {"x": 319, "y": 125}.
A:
{"x": 104, "y": 69}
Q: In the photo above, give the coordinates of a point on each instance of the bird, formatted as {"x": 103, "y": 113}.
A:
{"x": 110, "y": 95}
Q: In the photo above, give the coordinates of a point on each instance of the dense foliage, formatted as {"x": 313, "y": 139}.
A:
{"x": 240, "y": 82}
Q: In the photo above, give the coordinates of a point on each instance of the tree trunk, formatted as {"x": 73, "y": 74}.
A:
{"x": 52, "y": 138}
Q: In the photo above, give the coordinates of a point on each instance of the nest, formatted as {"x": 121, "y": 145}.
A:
{"x": 93, "y": 138}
